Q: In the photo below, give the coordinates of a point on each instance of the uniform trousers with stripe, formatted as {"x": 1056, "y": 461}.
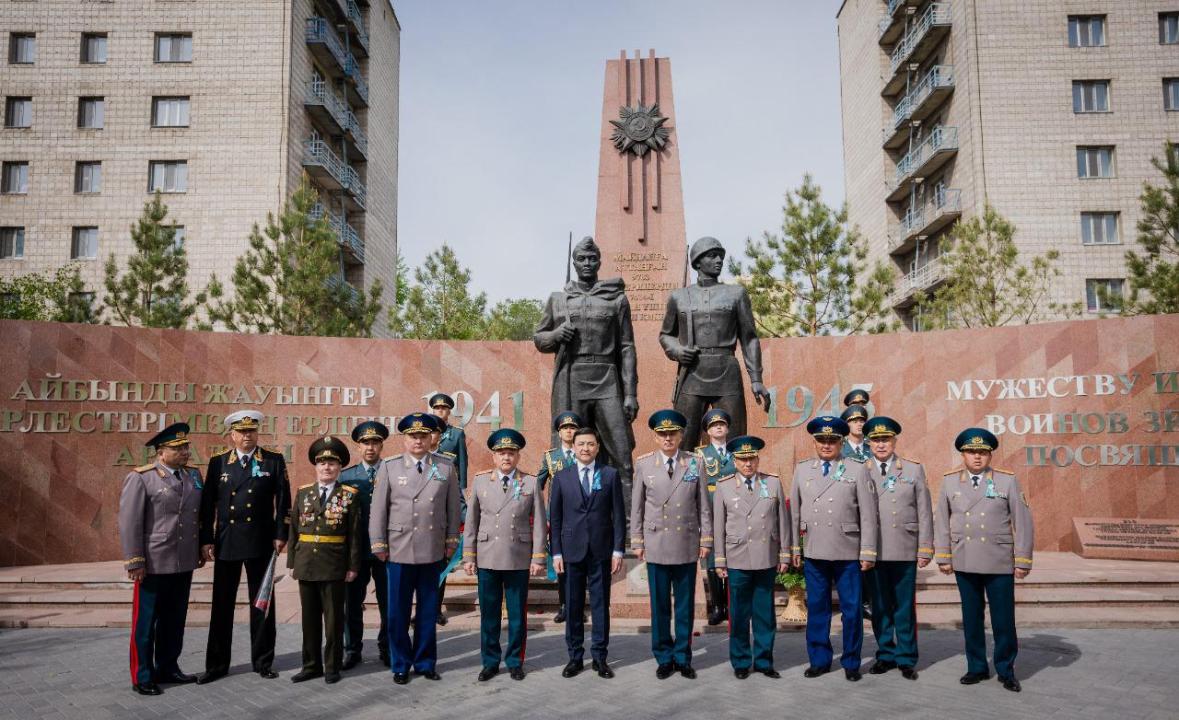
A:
{"x": 409, "y": 582}
{"x": 496, "y": 586}
{"x": 976, "y": 590}
{"x": 159, "y": 610}
{"x": 668, "y": 583}
{"x": 751, "y": 602}
{"x": 894, "y": 610}
{"x": 844, "y": 576}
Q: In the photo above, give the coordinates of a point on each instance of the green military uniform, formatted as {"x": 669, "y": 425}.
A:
{"x": 326, "y": 543}
{"x": 715, "y": 463}
{"x": 452, "y": 445}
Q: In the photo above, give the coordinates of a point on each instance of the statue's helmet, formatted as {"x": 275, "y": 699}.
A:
{"x": 702, "y": 246}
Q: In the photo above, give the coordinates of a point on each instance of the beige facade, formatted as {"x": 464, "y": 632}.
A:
{"x": 229, "y": 96}
{"x": 949, "y": 105}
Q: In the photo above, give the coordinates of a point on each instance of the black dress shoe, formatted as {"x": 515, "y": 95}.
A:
{"x": 687, "y": 671}
{"x": 771, "y": 673}
{"x": 814, "y": 672}
{"x": 880, "y": 667}
{"x": 1010, "y": 683}
{"x": 715, "y": 616}
{"x": 401, "y": 678}
{"x": 442, "y": 619}
{"x": 572, "y": 668}
{"x": 268, "y": 674}
{"x": 429, "y": 674}
{"x": 909, "y": 673}
{"x": 741, "y": 673}
{"x": 331, "y": 678}
{"x": 852, "y": 675}
{"x": 516, "y": 673}
{"x": 305, "y": 675}
{"x": 147, "y": 688}
{"x": 488, "y": 672}
{"x": 603, "y": 670}
{"x": 351, "y": 660}
{"x": 560, "y": 616}
{"x": 664, "y": 671}
{"x": 207, "y": 677}
{"x": 177, "y": 678}
{"x": 973, "y": 678}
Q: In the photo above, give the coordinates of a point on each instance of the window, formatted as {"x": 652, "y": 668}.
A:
{"x": 1090, "y": 96}
{"x": 22, "y": 48}
{"x": 1099, "y": 228}
{"x": 168, "y": 176}
{"x": 1101, "y": 294}
{"x": 173, "y": 47}
{"x": 93, "y": 48}
{"x": 178, "y": 236}
{"x": 88, "y": 177}
{"x": 12, "y": 243}
{"x": 18, "y": 112}
{"x": 1168, "y": 28}
{"x": 1086, "y": 30}
{"x": 91, "y": 112}
{"x": 85, "y": 243}
{"x": 15, "y": 180}
{"x": 169, "y": 112}
{"x": 1095, "y": 162}
{"x": 1171, "y": 93}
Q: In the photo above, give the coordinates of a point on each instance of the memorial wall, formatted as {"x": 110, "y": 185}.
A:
{"x": 1087, "y": 412}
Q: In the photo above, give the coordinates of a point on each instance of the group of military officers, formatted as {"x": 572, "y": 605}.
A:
{"x": 858, "y": 517}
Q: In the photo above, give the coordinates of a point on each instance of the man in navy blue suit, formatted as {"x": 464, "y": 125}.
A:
{"x": 588, "y": 524}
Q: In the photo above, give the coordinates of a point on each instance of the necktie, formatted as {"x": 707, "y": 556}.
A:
{"x": 974, "y": 481}
{"x": 419, "y": 467}
{"x": 323, "y": 493}
{"x": 179, "y": 477}
{"x": 884, "y": 469}
{"x": 245, "y": 460}
{"x": 569, "y": 456}
{"x": 670, "y": 467}
{"x": 372, "y": 472}
{"x": 749, "y": 484}
{"x": 505, "y": 479}
{"x": 585, "y": 483}
{"x": 826, "y": 467}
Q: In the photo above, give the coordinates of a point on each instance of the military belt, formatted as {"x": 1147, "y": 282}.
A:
{"x": 717, "y": 350}
{"x": 335, "y": 539}
{"x": 594, "y": 358}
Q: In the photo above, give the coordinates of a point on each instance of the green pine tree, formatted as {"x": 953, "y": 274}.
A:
{"x": 290, "y": 281}
{"x": 1154, "y": 274}
{"x": 513, "y": 320}
{"x": 439, "y": 305}
{"x": 812, "y": 278}
{"x": 60, "y": 297}
{"x": 153, "y": 292}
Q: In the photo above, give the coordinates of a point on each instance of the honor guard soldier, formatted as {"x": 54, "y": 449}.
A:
{"x": 324, "y": 554}
{"x": 414, "y": 527}
{"x": 159, "y": 515}
{"x": 245, "y": 519}
{"x": 835, "y": 530}
{"x": 555, "y": 460}
{"x": 504, "y": 542}
{"x": 752, "y": 521}
{"x": 984, "y": 537}
{"x": 854, "y": 445}
{"x": 906, "y": 543}
{"x": 671, "y": 530}
{"x": 452, "y": 445}
{"x": 714, "y": 459}
{"x": 371, "y": 436}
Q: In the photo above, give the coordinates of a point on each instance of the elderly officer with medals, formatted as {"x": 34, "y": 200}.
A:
{"x": 245, "y": 519}
{"x": 554, "y": 461}
{"x": 504, "y": 541}
{"x": 670, "y": 529}
{"x": 985, "y": 538}
{"x": 835, "y": 529}
{"x": 752, "y": 522}
{"x": 371, "y": 436}
{"x": 414, "y": 527}
{"x": 159, "y": 515}
{"x": 716, "y": 462}
{"x": 324, "y": 554}
{"x": 906, "y": 543}
{"x": 452, "y": 444}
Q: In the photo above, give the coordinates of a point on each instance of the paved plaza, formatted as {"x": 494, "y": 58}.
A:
{"x": 1070, "y": 673}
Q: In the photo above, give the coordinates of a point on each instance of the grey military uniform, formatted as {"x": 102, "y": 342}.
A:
{"x": 986, "y": 529}
{"x": 414, "y": 514}
{"x": 905, "y": 510}
{"x": 159, "y": 519}
{"x": 671, "y": 518}
{"x": 505, "y": 529}
{"x": 836, "y": 513}
{"x": 752, "y": 526}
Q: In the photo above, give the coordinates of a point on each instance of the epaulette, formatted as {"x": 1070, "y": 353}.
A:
{"x": 145, "y": 468}
{"x": 348, "y": 488}
{"x": 700, "y": 448}
{"x": 856, "y": 459}
{"x": 488, "y": 471}
{"x": 909, "y": 460}
{"x": 306, "y": 486}
{"x": 804, "y": 461}
{"x": 1003, "y": 470}
{"x": 395, "y": 457}
{"x": 955, "y": 471}
{"x": 446, "y": 454}
{"x": 641, "y": 457}
{"x": 727, "y": 477}
{"x": 768, "y": 474}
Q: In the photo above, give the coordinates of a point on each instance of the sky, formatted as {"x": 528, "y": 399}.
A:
{"x": 501, "y": 103}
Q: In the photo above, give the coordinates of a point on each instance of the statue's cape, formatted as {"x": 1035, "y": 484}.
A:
{"x": 610, "y": 289}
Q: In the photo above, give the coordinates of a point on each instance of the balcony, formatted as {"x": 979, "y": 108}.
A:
{"x": 358, "y": 27}
{"x": 924, "y": 278}
{"x": 357, "y": 87}
{"x": 926, "y": 220}
{"x": 326, "y": 108}
{"x": 325, "y": 46}
{"x": 346, "y": 235}
{"x": 939, "y": 146}
{"x": 357, "y": 193}
{"x": 337, "y": 281}
{"x": 917, "y": 44}
{"x": 359, "y": 138}
{"x": 324, "y": 165}
{"x": 892, "y": 25}
{"x": 920, "y": 102}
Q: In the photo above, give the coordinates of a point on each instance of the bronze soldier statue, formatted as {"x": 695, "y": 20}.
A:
{"x": 702, "y": 327}
{"x": 588, "y": 326}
